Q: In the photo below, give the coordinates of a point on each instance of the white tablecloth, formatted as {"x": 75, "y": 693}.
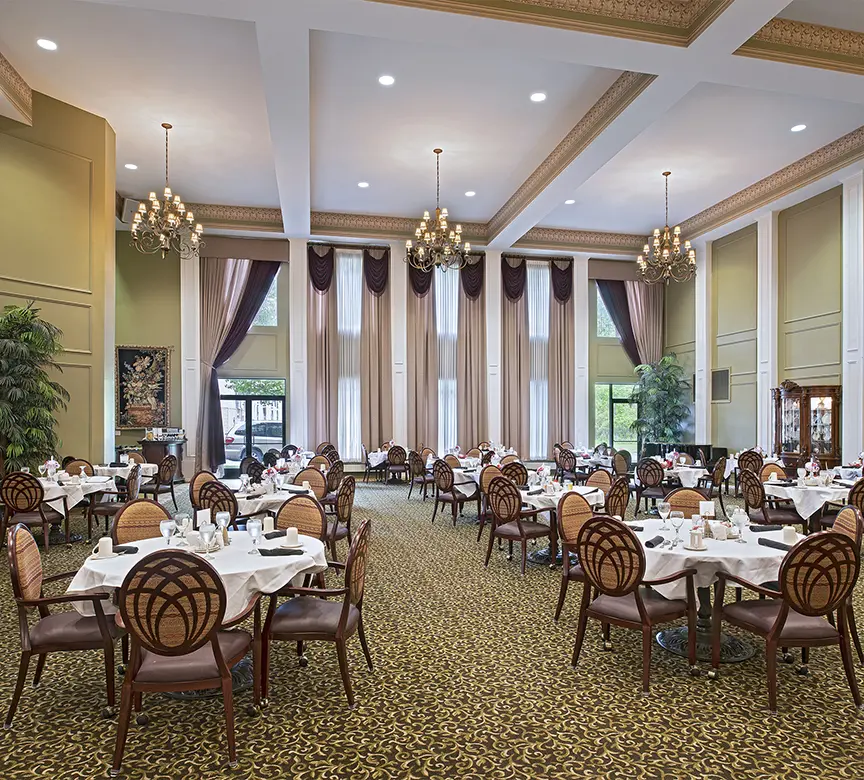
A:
{"x": 466, "y": 484}
{"x": 74, "y": 492}
{"x": 147, "y": 470}
{"x": 688, "y": 477}
{"x": 593, "y": 461}
{"x": 244, "y": 575}
{"x": 594, "y": 496}
{"x": 808, "y": 500}
{"x": 848, "y": 472}
{"x": 751, "y": 561}
{"x": 253, "y": 504}
{"x": 377, "y": 458}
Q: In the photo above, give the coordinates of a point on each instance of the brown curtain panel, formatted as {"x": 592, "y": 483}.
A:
{"x": 422, "y": 338}
{"x": 614, "y": 295}
{"x": 562, "y": 363}
{"x": 471, "y": 369}
{"x": 322, "y": 341}
{"x": 376, "y": 363}
{"x": 515, "y": 357}
{"x": 645, "y": 302}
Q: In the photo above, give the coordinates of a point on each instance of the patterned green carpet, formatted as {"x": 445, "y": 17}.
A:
{"x": 472, "y": 680}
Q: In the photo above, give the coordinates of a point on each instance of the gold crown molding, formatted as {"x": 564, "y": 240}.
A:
{"x": 627, "y": 87}
{"x": 814, "y": 166}
{"x": 16, "y": 90}
{"x": 237, "y": 217}
{"x": 581, "y": 241}
{"x": 812, "y": 45}
{"x": 370, "y": 225}
{"x": 673, "y": 22}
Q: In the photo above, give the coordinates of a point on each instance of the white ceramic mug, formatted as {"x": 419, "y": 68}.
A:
{"x": 292, "y": 539}
{"x": 104, "y": 548}
{"x": 790, "y": 535}
{"x": 268, "y": 525}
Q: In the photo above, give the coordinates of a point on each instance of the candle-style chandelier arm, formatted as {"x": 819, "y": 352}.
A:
{"x": 665, "y": 259}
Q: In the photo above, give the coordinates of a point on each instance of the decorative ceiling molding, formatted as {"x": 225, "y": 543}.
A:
{"x": 237, "y": 217}
{"x": 389, "y": 228}
{"x": 627, "y": 87}
{"x": 16, "y": 90}
{"x": 673, "y": 22}
{"x": 581, "y": 241}
{"x": 812, "y": 45}
{"x": 836, "y": 155}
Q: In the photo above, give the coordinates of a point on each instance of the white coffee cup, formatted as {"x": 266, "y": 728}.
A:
{"x": 105, "y": 548}
{"x": 291, "y": 537}
{"x": 268, "y": 525}
{"x": 720, "y": 531}
{"x": 306, "y": 485}
{"x": 790, "y": 535}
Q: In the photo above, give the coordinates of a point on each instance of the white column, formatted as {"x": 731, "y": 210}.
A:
{"x": 190, "y": 354}
{"x": 399, "y": 339}
{"x": 581, "y": 335}
{"x": 492, "y": 281}
{"x": 766, "y": 328}
{"x": 703, "y": 344}
{"x": 298, "y": 282}
{"x": 852, "y": 432}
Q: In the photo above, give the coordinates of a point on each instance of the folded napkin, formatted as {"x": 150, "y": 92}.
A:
{"x": 775, "y": 545}
{"x": 759, "y": 528}
{"x": 469, "y": 471}
{"x": 535, "y": 492}
{"x": 125, "y": 549}
{"x": 278, "y": 551}
{"x": 292, "y": 489}
{"x": 274, "y": 534}
{"x": 845, "y": 483}
{"x": 524, "y": 487}
{"x": 118, "y": 465}
{"x": 653, "y": 542}
{"x": 636, "y": 528}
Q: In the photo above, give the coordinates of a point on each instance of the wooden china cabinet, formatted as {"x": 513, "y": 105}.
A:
{"x": 807, "y": 421}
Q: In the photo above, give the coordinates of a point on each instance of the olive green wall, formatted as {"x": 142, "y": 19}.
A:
{"x": 734, "y": 270}
{"x": 680, "y": 334}
{"x": 57, "y": 249}
{"x": 810, "y": 292}
{"x": 148, "y": 313}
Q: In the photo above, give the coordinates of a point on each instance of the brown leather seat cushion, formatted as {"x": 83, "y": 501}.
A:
{"x": 330, "y": 498}
{"x": 575, "y": 572}
{"x": 624, "y": 607}
{"x": 781, "y": 516}
{"x": 529, "y": 527}
{"x": 449, "y": 498}
{"x": 200, "y": 665}
{"x": 107, "y": 507}
{"x": 69, "y": 628}
{"x": 653, "y": 492}
{"x": 34, "y": 518}
{"x": 151, "y": 488}
{"x": 309, "y": 615}
{"x": 760, "y": 615}
{"x": 336, "y": 531}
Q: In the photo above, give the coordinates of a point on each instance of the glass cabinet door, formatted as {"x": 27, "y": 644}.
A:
{"x": 821, "y": 425}
{"x": 790, "y": 424}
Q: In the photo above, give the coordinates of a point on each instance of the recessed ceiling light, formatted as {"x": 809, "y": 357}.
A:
{"x": 470, "y": 194}
{"x": 386, "y": 81}
{"x": 799, "y": 128}
{"x": 44, "y": 43}
{"x": 362, "y": 184}
{"x": 131, "y": 166}
{"x": 538, "y": 97}
{"x": 569, "y": 202}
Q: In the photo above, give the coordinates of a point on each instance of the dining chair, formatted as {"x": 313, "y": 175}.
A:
{"x": 109, "y": 509}
{"x": 567, "y": 445}
{"x": 305, "y": 514}
{"x": 685, "y": 500}
{"x": 760, "y": 510}
{"x": 600, "y": 479}
{"x": 289, "y": 451}
{"x": 333, "y": 479}
{"x": 53, "y": 632}
{"x": 385, "y": 445}
{"x": 163, "y": 482}
{"x": 445, "y": 493}
{"x": 487, "y": 457}
{"x": 218, "y": 497}
{"x": 340, "y": 527}
{"x": 172, "y": 604}
{"x": 474, "y": 452}
{"x": 198, "y": 480}
{"x": 396, "y": 462}
{"x": 855, "y": 498}
{"x": 419, "y": 475}
{"x": 320, "y": 462}
{"x": 425, "y": 452}
{"x": 137, "y": 520}
{"x": 487, "y": 474}
{"x": 850, "y": 521}
{"x": 246, "y": 462}
{"x": 817, "y": 577}
{"x": 270, "y": 457}
{"x": 23, "y": 499}
{"x": 516, "y": 472}
{"x": 511, "y": 521}
{"x": 452, "y": 461}
{"x": 613, "y": 561}
{"x": 317, "y": 481}
{"x": 771, "y": 468}
{"x": 573, "y": 512}
{"x": 715, "y": 481}
{"x": 749, "y": 460}
{"x": 368, "y": 468}
{"x": 565, "y": 460}
{"x": 508, "y": 459}
{"x": 618, "y": 498}
{"x": 322, "y": 446}
{"x": 620, "y": 464}
{"x": 702, "y": 459}
{"x": 308, "y": 616}
{"x": 650, "y": 475}
{"x": 687, "y": 458}
{"x": 74, "y": 466}
{"x": 331, "y": 453}
{"x": 135, "y": 456}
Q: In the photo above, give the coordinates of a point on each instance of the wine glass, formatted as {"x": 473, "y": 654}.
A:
{"x": 663, "y": 509}
{"x": 207, "y": 531}
{"x": 677, "y": 519}
{"x": 182, "y": 521}
{"x": 42, "y": 469}
{"x": 222, "y": 520}
{"x": 167, "y": 528}
{"x": 244, "y": 483}
{"x": 253, "y": 526}
{"x": 739, "y": 518}
{"x": 25, "y": 469}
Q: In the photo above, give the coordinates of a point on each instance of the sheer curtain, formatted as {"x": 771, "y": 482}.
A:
{"x": 447, "y": 326}
{"x": 537, "y": 292}
{"x": 349, "y": 317}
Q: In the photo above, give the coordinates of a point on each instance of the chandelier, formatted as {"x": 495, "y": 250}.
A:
{"x": 436, "y": 243}
{"x": 665, "y": 260}
{"x": 166, "y": 224}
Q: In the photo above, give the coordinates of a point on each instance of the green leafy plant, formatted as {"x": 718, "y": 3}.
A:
{"x": 661, "y": 395}
{"x": 28, "y": 396}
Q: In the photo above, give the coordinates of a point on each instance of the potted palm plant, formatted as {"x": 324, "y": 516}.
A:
{"x": 661, "y": 399}
{"x": 29, "y": 397}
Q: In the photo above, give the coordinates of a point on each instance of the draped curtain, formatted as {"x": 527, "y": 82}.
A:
{"x": 471, "y": 369}
{"x": 322, "y": 347}
{"x": 562, "y": 362}
{"x": 376, "y": 364}
{"x": 422, "y": 360}
{"x": 614, "y": 295}
{"x": 515, "y": 356}
{"x": 231, "y": 292}
{"x": 645, "y": 302}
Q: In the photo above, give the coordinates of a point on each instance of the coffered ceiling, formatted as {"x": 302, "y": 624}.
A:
{"x": 279, "y": 114}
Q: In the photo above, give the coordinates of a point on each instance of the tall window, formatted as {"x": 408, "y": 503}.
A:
{"x": 267, "y": 314}
{"x": 447, "y": 326}
{"x": 613, "y": 416}
{"x": 537, "y": 290}
{"x": 605, "y": 326}
{"x": 349, "y": 298}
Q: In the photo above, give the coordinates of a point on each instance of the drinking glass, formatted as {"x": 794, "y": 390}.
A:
{"x": 253, "y": 526}
{"x": 663, "y": 509}
{"x": 182, "y": 521}
{"x": 167, "y": 528}
{"x": 25, "y": 469}
{"x": 740, "y": 519}
{"x": 207, "y": 531}
{"x": 222, "y": 520}
{"x": 244, "y": 483}
{"x": 42, "y": 469}
{"x": 677, "y": 519}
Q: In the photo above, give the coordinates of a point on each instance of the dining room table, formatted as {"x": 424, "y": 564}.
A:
{"x": 67, "y": 492}
{"x": 688, "y": 476}
{"x": 148, "y": 470}
{"x": 262, "y": 498}
{"x": 809, "y": 500}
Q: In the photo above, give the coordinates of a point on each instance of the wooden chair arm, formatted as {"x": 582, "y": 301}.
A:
{"x": 56, "y": 577}
{"x": 66, "y": 598}
{"x": 671, "y": 577}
